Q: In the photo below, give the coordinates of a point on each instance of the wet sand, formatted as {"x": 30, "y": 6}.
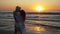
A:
{"x": 6, "y": 32}
{"x": 34, "y": 29}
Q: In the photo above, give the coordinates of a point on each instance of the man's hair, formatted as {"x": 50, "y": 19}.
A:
{"x": 18, "y": 8}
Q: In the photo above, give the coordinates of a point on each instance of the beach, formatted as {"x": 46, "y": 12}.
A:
{"x": 35, "y": 24}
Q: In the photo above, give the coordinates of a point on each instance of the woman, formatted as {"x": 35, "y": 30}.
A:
{"x": 19, "y": 16}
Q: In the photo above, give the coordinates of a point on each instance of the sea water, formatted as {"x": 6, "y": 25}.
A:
{"x": 32, "y": 24}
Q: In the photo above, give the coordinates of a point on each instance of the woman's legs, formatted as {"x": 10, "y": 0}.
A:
{"x": 17, "y": 30}
{"x": 22, "y": 27}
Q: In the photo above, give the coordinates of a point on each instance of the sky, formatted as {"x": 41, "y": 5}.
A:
{"x": 30, "y": 4}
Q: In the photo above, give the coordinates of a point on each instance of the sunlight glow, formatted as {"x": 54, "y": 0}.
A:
{"x": 39, "y": 8}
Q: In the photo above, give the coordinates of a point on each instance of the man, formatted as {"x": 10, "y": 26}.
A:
{"x": 19, "y": 16}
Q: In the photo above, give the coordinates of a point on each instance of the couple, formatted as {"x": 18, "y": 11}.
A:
{"x": 19, "y": 16}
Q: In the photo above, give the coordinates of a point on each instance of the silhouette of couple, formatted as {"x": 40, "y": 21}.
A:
{"x": 19, "y": 16}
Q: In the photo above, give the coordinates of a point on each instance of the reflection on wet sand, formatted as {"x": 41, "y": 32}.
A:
{"x": 34, "y": 29}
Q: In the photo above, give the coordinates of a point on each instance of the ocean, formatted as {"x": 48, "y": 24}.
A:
{"x": 47, "y": 23}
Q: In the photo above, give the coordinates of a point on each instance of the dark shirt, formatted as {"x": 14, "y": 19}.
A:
{"x": 22, "y": 13}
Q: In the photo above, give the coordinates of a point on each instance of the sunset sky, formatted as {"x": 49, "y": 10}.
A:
{"x": 30, "y": 4}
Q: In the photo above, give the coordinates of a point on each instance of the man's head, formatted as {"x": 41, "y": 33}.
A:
{"x": 18, "y": 8}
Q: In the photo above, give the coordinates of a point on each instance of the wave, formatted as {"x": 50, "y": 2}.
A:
{"x": 54, "y": 18}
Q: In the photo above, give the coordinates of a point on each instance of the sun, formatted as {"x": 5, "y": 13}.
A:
{"x": 39, "y": 8}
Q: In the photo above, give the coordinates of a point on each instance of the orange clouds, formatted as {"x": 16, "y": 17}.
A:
{"x": 29, "y": 4}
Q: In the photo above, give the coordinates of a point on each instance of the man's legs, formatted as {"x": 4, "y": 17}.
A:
{"x": 15, "y": 31}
